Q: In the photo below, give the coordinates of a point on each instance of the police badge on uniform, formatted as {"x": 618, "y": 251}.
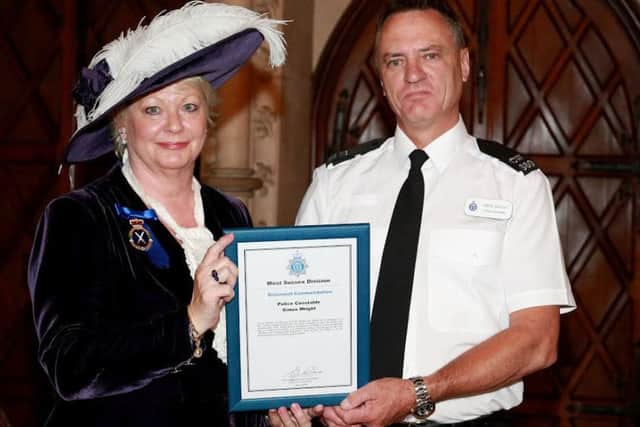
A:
{"x": 488, "y": 208}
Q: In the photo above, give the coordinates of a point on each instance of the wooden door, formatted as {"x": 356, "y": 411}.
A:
{"x": 566, "y": 78}
{"x": 557, "y": 80}
{"x": 42, "y": 43}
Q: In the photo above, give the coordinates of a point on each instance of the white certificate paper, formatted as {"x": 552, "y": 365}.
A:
{"x": 297, "y": 306}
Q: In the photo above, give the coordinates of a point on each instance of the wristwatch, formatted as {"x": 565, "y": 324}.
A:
{"x": 424, "y": 405}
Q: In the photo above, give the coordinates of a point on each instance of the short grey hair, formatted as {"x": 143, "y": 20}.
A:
{"x": 441, "y": 6}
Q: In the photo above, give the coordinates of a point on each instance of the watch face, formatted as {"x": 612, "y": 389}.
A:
{"x": 424, "y": 410}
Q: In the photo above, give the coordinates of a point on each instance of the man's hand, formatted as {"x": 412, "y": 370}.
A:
{"x": 333, "y": 416}
{"x": 379, "y": 403}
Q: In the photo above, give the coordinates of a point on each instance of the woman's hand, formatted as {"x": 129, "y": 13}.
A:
{"x": 296, "y": 417}
{"x": 209, "y": 295}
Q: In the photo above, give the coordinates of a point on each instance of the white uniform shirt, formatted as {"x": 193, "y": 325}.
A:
{"x": 471, "y": 271}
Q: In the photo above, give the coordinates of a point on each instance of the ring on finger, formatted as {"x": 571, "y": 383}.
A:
{"x": 216, "y": 277}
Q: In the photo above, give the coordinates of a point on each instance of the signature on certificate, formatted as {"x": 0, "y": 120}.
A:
{"x": 302, "y": 375}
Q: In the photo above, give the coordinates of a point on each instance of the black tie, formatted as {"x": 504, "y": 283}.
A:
{"x": 393, "y": 293}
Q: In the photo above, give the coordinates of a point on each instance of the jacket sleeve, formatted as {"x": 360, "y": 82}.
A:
{"x": 85, "y": 347}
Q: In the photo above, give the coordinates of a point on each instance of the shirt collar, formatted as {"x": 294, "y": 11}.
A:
{"x": 441, "y": 150}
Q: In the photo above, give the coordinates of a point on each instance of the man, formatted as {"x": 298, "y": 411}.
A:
{"x": 489, "y": 281}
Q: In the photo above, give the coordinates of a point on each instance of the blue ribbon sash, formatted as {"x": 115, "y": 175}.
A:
{"x": 140, "y": 235}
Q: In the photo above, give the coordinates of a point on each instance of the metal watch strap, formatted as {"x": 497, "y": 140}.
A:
{"x": 424, "y": 405}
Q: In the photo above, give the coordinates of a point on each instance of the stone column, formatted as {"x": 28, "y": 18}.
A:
{"x": 295, "y": 139}
{"x": 266, "y": 115}
{"x": 225, "y": 159}
{"x": 260, "y": 150}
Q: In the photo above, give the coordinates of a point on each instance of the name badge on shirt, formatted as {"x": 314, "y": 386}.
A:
{"x": 486, "y": 208}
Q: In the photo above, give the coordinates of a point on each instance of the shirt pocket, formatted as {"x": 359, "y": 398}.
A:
{"x": 464, "y": 290}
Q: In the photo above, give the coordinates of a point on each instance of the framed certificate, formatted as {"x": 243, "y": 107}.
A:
{"x": 298, "y": 327}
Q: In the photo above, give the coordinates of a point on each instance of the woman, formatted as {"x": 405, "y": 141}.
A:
{"x": 127, "y": 275}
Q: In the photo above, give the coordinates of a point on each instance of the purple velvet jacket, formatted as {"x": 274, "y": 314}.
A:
{"x": 112, "y": 327}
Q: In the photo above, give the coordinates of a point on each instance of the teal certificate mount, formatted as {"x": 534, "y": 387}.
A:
{"x": 298, "y": 327}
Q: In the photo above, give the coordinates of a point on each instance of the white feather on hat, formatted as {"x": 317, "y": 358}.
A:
{"x": 170, "y": 37}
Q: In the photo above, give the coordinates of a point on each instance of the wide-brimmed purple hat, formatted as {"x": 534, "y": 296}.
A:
{"x": 210, "y": 40}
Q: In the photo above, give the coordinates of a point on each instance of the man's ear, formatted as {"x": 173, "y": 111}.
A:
{"x": 464, "y": 64}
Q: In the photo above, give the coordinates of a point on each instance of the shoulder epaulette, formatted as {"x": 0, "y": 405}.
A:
{"x": 507, "y": 155}
{"x": 351, "y": 152}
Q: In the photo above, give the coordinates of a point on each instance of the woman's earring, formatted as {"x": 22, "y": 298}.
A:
{"x": 120, "y": 142}
{"x": 122, "y": 134}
